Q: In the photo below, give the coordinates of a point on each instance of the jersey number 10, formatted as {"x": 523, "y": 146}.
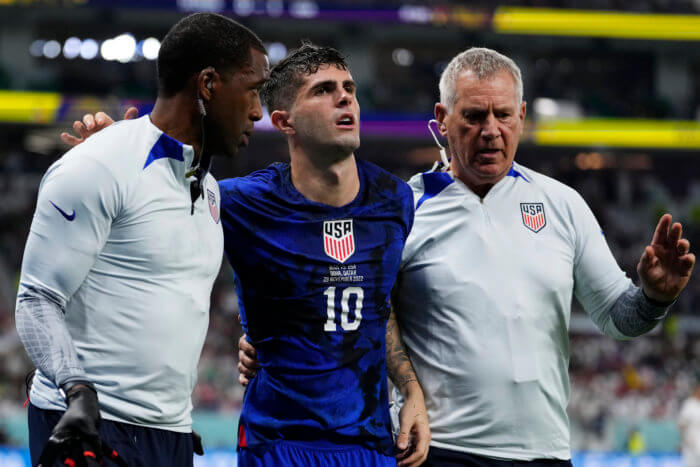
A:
{"x": 345, "y": 322}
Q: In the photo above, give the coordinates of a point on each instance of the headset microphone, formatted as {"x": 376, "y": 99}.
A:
{"x": 201, "y": 170}
{"x": 443, "y": 151}
{"x": 200, "y": 102}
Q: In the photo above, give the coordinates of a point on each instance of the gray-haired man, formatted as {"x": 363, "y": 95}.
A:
{"x": 488, "y": 273}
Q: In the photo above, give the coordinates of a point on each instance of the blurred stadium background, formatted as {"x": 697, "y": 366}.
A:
{"x": 613, "y": 92}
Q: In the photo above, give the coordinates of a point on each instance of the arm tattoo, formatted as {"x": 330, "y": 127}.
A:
{"x": 398, "y": 363}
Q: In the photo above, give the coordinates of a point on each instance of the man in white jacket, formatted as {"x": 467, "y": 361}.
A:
{"x": 495, "y": 256}
{"x": 124, "y": 247}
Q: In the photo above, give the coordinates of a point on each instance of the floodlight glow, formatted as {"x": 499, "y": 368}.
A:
{"x": 402, "y": 57}
{"x": 150, "y": 48}
{"x": 304, "y": 9}
{"x": 125, "y": 47}
{"x": 546, "y": 107}
{"x": 51, "y": 49}
{"x": 89, "y": 49}
{"x": 243, "y": 7}
{"x": 108, "y": 51}
{"x": 71, "y": 48}
{"x": 276, "y": 51}
{"x": 275, "y": 7}
{"x": 415, "y": 14}
{"x": 36, "y": 49}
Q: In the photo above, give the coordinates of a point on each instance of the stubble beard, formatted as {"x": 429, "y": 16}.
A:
{"x": 334, "y": 146}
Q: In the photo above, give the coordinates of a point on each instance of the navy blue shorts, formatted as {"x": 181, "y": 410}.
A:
{"x": 289, "y": 453}
{"x": 447, "y": 458}
{"x": 138, "y": 446}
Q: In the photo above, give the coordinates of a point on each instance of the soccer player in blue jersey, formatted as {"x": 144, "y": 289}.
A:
{"x": 323, "y": 237}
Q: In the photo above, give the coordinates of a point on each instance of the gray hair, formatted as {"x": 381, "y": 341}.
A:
{"x": 485, "y": 63}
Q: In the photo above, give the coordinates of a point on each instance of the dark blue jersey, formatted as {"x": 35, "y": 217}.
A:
{"x": 314, "y": 284}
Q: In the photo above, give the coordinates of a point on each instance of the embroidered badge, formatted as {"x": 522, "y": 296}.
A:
{"x": 213, "y": 208}
{"x": 338, "y": 239}
{"x": 533, "y": 216}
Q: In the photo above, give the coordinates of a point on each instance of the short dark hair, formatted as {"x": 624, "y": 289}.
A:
{"x": 288, "y": 75}
{"x": 201, "y": 40}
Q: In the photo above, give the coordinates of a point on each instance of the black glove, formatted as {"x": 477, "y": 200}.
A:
{"x": 75, "y": 437}
{"x": 197, "y": 444}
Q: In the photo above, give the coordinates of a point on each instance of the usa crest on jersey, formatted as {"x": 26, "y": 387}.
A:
{"x": 338, "y": 239}
{"x": 213, "y": 209}
{"x": 533, "y": 216}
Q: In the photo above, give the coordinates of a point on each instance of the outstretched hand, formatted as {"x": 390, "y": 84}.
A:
{"x": 91, "y": 124}
{"x": 666, "y": 264}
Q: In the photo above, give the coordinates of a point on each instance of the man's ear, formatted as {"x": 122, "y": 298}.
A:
{"x": 440, "y": 116}
{"x": 281, "y": 121}
{"x": 207, "y": 82}
{"x": 523, "y": 111}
